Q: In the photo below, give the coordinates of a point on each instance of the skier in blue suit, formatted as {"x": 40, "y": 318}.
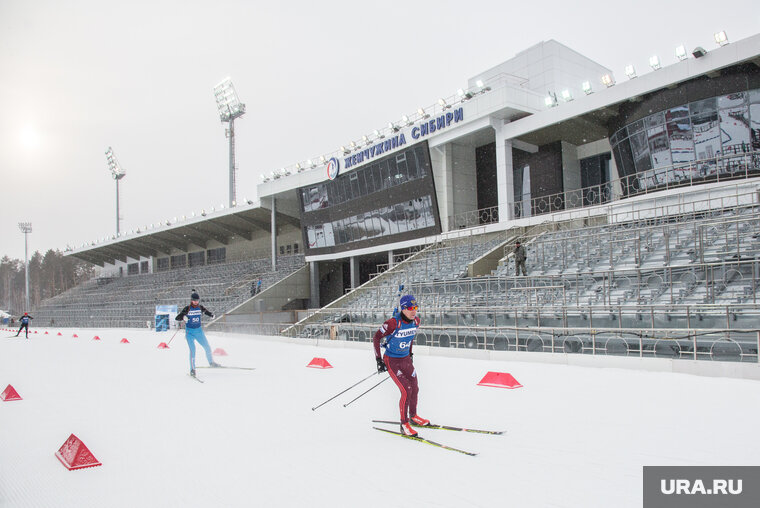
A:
{"x": 193, "y": 330}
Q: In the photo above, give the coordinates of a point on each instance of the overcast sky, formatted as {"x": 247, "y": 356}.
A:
{"x": 78, "y": 76}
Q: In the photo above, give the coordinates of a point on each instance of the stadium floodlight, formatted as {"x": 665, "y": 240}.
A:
{"x": 654, "y": 62}
{"x": 699, "y": 52}
{"x": 586, "y": 87}
{"x": 378, "y": 134}
{"x": 483, "y": 88}
{"x": 299, "y": 168}
{"x": 230, "y": 108}
{"x": 353, "y": 145}
{"x": 311, "y": 164}
{"x": 344, "y": 150}
{"x": 608, "y": 80}
{"x": 720, "y": 38}
{"x": 464, "y": 95}
{"x": 422, "y": 113}
{"x": 264, "y": 178}
{"x": 26, "y": 228}
{"x": 550, "y": 100}
{"x": 117, "y": 172}
{"x": 366, "y": 141}
{"x": 681, "y": 52}
{"x": 405, "y": 120}
{"x": 566, "y": 95}
{"x": 443, "y": 104}
{"x": 630, "y": 71}
{"x": 393, "y": 127}
{"x": 322, "y": 159}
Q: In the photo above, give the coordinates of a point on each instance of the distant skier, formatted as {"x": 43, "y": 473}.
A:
{"x": 400, "y": 332}
{"x": 193, "y": 330}
{"x": 24, "y": 324}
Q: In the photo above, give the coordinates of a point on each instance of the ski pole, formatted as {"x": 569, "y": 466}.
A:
{"x": 344, "y": 391}
{"x": 365, "y": 393}
{"x": 175, "y": 333}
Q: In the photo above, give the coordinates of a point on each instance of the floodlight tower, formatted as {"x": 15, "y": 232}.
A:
{"x": 26, "y": 228}
{"x": 117, "y": 172}
{"x": 229, "y": 106}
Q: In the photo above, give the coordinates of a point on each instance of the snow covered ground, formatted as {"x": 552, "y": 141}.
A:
{"x": 575, "y": 436}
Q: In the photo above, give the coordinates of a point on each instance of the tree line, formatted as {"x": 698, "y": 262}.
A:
{"x": 49, "y": 275}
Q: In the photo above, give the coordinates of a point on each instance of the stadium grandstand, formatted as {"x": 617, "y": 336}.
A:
{"x": 638, "y": 203}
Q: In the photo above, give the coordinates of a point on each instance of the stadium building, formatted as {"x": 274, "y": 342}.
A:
{"x": 636, "y": 199}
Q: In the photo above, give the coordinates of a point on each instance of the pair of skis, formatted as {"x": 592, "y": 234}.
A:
{"x": 218, "y": 367}
{"x": 436, "y": 427}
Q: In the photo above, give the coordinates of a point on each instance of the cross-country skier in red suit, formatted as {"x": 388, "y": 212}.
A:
{"x": 399, "y": 332}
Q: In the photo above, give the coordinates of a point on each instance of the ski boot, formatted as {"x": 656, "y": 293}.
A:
{"x": 420, "y": 421}
{"x": 407, "y": 430}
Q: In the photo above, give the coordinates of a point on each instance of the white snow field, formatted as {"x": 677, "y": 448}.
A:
{"x": 575, "y": 436}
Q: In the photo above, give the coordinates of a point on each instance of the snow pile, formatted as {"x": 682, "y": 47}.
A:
{"x": 574, "y": 436}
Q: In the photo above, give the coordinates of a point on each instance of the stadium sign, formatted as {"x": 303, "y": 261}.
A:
{"x": 333, "y": 168}
{"x": 422, "y": 130}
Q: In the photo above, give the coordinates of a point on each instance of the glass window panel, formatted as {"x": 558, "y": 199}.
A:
{"x": 734, "y": 129}
{"x": 369, "y": 179}
{"x": 354, "y": 179}
{"x": 332, "y": 192}
{"x": 377, "y": 223}
{"x": 706, "y": 141}
{"x": 677, "y": 113}
{"x": 329, "y": 235}
{"x": 429, "y": 211}
{"x": 383, "y": 168}
{"x": 412, "y": 166}
{"x": 681, "y": 140}
{"x": 390, "y": 212}
{"x": 323, "y": 201}
{"x": 754, "y": 118}
{"x": 640, "y": 148}
{"x": 422, "y": 168}
{"x": 660, "y": 152}
{"x": 385, "y": 224}
{"x": 401, "y": 218}
{"x": 654, "y": 120}
{"x": 636, "y": 126}
{"x": 732, "y": 100}
{"x": 391, "y": 171}
{"x": 402, "y": 173}
{"x": 346, "y": 187}
{"x": 702, "y": 107}
{"x": 377, "y": 177}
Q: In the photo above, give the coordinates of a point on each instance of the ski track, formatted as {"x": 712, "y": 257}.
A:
{"x": 575, "y": 436}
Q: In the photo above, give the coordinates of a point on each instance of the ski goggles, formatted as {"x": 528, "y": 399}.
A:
{"x": 413, "y": 307}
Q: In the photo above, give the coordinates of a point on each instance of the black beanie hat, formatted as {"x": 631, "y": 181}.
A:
{"x": 195, "y": 296}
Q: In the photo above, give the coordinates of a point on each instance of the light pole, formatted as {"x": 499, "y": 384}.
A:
{"x": 26, "y": 228}
{"x": 117, "y": 172}
{"x": 230, "y": 107}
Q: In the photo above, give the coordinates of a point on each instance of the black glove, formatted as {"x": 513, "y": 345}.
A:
{"x": 380, "y": 365}
{"x": 411, "y": 356}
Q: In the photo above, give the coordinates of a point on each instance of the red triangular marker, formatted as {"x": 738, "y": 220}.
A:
{"x": 163, "y": 345}
{"x": 10, "y": 394}
{"x": 96, "y": 338}
{"x": 75, "y": 336}
{"x": 220, "y": 352}
{"x": 319, "y": 363}
{"x": 59, "y": 334}
{"x": 499, "y": 380}
{"x": 124, "y": 341}
{"x": 75, "y": 455}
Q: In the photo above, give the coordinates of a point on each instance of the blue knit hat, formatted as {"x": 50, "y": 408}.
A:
{"x": 407, "y": 301}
